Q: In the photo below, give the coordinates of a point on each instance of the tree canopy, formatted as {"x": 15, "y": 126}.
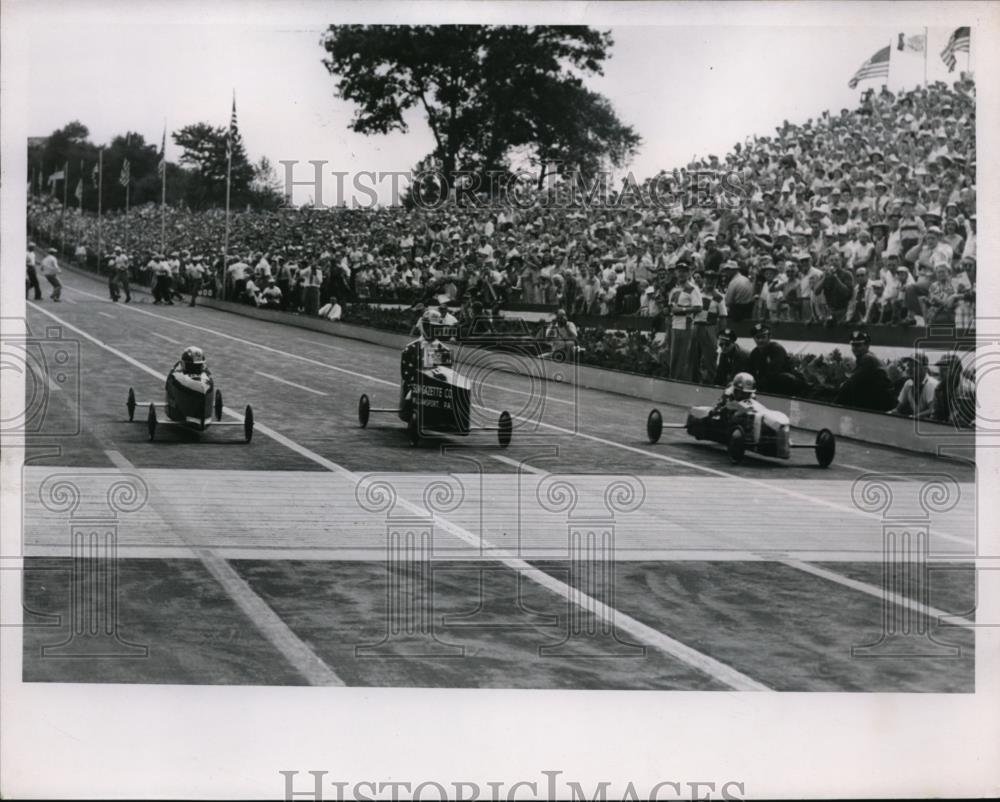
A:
{"x": 484, "y": 91}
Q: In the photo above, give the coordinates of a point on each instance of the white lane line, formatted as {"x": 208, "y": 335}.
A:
{"x": 768, "y": 487}
{"x": 170, "y": 340}
{"x": 546, "y": 399}
{"x": 719, "y": 671}
{"x": 69, "y": 301}
{"x": 524, "y": 466}
{"x": 290, "y": 384}
{"x": 302, "y": 658}
{"x": 323, "y": 345}
{"x": 105, "y": 314}
{"x": 879, "y": 593}
{"x": 263, "y": 347}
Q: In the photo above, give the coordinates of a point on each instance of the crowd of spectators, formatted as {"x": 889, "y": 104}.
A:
{"x": 863, "y": 217}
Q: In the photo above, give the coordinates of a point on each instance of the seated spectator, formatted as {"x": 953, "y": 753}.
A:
{"x": 955, "y": 395}
{"x": 271, "y": 296}
{"x": 331, "y": 310}
{"x": 916, "y": 398}
{"x": 562, "y": 334}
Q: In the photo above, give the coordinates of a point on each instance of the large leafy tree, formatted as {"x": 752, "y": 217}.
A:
{"x": 483, "y": 90}
{"x": 204, "y": 150}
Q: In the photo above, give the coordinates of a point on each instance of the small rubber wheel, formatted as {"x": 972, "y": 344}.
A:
{"x": 130, "y": 403}
{"x": 248, "y": 423}
{"x": 654, "y": 426}
{"x": 826, "y": 448}
{"x": 364, "y": 410}
{"x": 218, "y": 405}
{"x": 505, "y": 429}
{"x": 736, "y": 446}
{"x": 151, "y": 422}
{"x": 413, "y": 429}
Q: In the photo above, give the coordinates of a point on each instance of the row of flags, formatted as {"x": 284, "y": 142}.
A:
{"x": 878, "y": 65}
{"x": 125, "y": 176}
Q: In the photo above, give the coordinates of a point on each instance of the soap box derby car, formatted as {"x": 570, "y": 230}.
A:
{"x": 744, "y": 425}
{"x": 434, "y": 398}
{"x": 192, "y": 400}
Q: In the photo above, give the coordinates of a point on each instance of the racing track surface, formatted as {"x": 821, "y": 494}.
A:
{"x": 311, "y": 556}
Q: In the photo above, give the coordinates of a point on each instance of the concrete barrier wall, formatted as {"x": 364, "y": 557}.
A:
{"x": 868, "y": 427}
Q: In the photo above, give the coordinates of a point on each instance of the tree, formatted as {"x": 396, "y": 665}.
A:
{"x": 204, "y": 149}
{"x": 266, "y": 188}
{"x": 483, "y": 89}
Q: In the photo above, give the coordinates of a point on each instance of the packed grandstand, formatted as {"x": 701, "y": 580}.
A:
{"x": 864, "y": 218}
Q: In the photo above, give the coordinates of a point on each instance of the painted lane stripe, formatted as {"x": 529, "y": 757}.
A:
{"x": 170, "y": 340}
{"x": 879, "y": 593}
{"x": 768, "y": 487}
{"x": 524, "y": 466}
{"x": 719, "y": 671}
{"x": 298, "y": 654}
{"x": 323, "y": 345}
{"x": 290, "y": 384}
{"x": 105, "y": 314}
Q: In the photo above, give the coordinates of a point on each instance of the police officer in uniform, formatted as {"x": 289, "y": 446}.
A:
{"x": 868, "y": 387}
{"x": 732, "y": 359}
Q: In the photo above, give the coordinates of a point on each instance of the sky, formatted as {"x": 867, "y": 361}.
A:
{"x": 687, "y": 89}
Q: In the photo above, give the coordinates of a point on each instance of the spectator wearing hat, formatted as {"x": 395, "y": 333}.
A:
{"x": 739, "y": 292}
{"x": 836, "y": 286}
{"x": 732, "y": 359}
{"x": 955, "y": 395}
{"x": 684, "y": 301}
{"x": 770, "y": 365}
{"x": 868, "y": 386}
{"x": 964, "y": 279}
{"x": 562, "y": 334}
{"x": 942, "y": 297}
{"x": 51, "y": 271}
{"x": 270, "y": 296}
{"x": 31, "y": 278}
{"x": 857, "y": 307}
{"x": 916, "y": 398}
{"x": 930, "y": 250}
{"x": 120, "y": 280}
{"x": 311, "y": 279}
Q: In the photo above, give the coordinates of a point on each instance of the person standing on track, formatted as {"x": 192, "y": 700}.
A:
{"x": 51, "y": 271}
{"x": 312, "y": 279}
{"x": 195, "y": 275}
{"x": 685, "y": 301}
{"x": 704, "y": 348}
{"x": 32, "y": 276}
{"x": 120, "y": 276}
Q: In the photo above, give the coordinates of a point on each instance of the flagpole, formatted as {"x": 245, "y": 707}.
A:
{"x": 100, "y": 184}
{"x": 163, "y": 193}
{"x": 62, "y": 217}
{"x": 229, "y": 174}
{"x": 927, "y": 45}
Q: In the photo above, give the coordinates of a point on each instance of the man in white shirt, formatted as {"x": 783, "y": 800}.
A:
{"x": 916, "y": 399}
{"x": 51, "y": 271}
{"x": 706, "y": 324}
{"x": 331, "y": 311}
{"x": 271, "y": 295}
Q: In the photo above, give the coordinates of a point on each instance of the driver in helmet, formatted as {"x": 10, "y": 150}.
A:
{"x": 741, "y": 390}
{"x": 424, "y": 352}
{"x": 193, "y": 361}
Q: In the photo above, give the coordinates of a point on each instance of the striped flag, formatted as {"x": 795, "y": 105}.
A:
{"x": 233, "y": 131}
{"x": 877, "y": 66}
{"x": 126, "y": 174}
{"x": 958, "y": 43}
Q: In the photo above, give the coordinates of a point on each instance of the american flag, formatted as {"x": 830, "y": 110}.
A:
{"x": 233, "y": 131}
{"x": 877, "y": 66}
{"x": 95, "y": 172}
{"x": 126, "y": 174}
{"x": 959, "y": 42}
{"x": 161, "y": 168}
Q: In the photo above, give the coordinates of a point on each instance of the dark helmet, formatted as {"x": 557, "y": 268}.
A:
{"x": 727, "y": 336}
{"x": 860, "y": 337}
{"x": 744, "y": 386}
{"x": 193, "y": 360}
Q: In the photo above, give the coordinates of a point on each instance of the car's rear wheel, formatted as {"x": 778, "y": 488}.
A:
{"x": 130, "y": 403}
{"x": 248, "y": 423}
{"x": 505, "y": 429}
{"x": 218, "y": 405}
{"x": 736, "y": 446}
{"x": 826, "y": 448}
{"x": 364, "y": 410}
{"x": 151, "y": 422}
{"x": 654, "y": 426}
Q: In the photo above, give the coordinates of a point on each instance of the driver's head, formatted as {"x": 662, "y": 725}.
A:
{"x": 193, "y": 360}
{"x": 727, "y": 339}
{"x": 744, "y": 386}
{"x": 430, "y": 318}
